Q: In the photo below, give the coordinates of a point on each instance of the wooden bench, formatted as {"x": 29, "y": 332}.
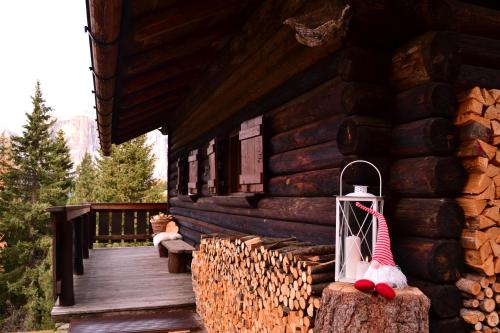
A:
{"x": 179, "y": 255}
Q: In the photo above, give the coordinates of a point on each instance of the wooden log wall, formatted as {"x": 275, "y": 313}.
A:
{"x": 425, "y": 176}
{"x": 403, "y": 122}
{"x": 303, "y": 164}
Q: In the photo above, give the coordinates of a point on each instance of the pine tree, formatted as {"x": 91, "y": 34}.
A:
{"x": 127, "y": 175}
{"x": 56, "y": 192}
{"x": 36, "y": 177}
{"x": 85, "y": 181}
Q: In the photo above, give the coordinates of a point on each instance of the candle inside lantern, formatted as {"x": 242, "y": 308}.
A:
{"x": 352, "y": 256}
{"x": 361, "y": 268}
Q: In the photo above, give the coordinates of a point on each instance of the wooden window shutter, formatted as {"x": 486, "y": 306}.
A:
{"x": 252, "y": 156}
{"x": 181, "y": 176}
{"x": 212, "y": 167}
{"x": 193, "y": 161}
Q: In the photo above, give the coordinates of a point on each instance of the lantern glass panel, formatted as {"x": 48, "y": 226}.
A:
{"x": 355, "y": 235}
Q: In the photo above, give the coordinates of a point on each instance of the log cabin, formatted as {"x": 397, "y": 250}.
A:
{"x": 264, "y": 102}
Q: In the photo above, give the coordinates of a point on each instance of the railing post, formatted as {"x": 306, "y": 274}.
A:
{"x": 67, "y": 294}
{"x": 78, "y": 257}
{"x": 85, "y": 236}
{"x": 56, "y": 253}
{"x": 92, "y": 228}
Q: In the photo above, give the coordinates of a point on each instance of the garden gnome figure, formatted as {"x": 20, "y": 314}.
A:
{"x": 382, "y": 275}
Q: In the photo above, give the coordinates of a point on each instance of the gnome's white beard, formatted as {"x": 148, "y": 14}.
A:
{"x": 391, "y": 275}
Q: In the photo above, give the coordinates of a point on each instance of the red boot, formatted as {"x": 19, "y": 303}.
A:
{"x": 364, "y": 285}
{"x": 385, "y": 291}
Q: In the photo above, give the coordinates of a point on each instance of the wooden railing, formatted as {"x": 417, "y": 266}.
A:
{"x": 75, "y": 229}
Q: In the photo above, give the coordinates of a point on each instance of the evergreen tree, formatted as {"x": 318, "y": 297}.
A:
{"x": 85, "y": 181}
{"x": 127, "y": 175}
{"x": 37, "y": 176}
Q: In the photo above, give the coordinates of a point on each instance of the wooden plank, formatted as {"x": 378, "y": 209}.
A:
{"x": 178, "y": 321}
{"x": 111, "y": 286}
{"x": 128, "y": 206}
{"x": 141, "y": 237}
{"x": 177, "y": 246}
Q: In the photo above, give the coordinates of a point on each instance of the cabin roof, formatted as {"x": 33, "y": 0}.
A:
{"x": 148, "y": 55}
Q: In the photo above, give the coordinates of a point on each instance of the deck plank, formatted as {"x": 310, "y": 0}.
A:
{"x": 174, "y": 321}
{"x": 121, "y": 280}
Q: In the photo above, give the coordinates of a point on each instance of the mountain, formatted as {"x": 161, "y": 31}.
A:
{"x": 81, "y": 134}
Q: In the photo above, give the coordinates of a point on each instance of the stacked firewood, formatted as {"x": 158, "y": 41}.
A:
{"x": 481, "y": 296}
{"x": 478, "y": 121}
{"x": 257, "y": 284}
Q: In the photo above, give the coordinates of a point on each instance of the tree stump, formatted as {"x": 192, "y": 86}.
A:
{"x": 344, "y": 309}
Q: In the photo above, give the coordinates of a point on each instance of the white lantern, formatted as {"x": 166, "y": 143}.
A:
{"x": 355, "y": 230}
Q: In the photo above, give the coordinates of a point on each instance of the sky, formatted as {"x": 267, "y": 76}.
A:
{"x": 44, "y": 40}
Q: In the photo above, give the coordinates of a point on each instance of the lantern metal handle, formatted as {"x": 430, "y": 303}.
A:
{"x": 366, "y": 162}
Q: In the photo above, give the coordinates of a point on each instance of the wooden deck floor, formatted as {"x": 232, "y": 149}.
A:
{"x": 126, "y": 280}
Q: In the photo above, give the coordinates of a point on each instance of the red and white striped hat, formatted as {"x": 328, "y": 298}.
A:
{"x": 382, "y": 252}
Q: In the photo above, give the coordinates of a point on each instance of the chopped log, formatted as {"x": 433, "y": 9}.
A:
{"x": 472, "y": 207}
{"x": 474, "y": 130}
{"x": 471, "y": 316}
{"x": 433, "y": 260}
{"x": 311, "y": 134}
{"x": 476, "y": 183}
{"x": 478, "y": 222}
{"x": 492, "y": 171}
{"x": 487, "y": 305}
{"x": 488, "y": 267}
{"x": 425, "y": 101}
{"x": 322, "y": 156}
{"x": 408, "y": 309}
{"x": 445, "y": 298}
{"x": 470, "y": 105}
{"x": 475, "y": 164}
{"x": 483, "y": 280}
{"x": 496, "y": 159}
{"x": 463, "y": 119}
{"x": 470, "y": 303}
{"x": 487, "y": 194}
{"x": 431, "y": 136}
{"x": 435, "y": 218}
{"x": 492, "y": 213}
{"x": 473, "y": 93}
{"x": 477, "y": 148}
{"x": 491, "y": 112}
{"x": 433, "y": 56}
{"x": 427, "y": 176}
{"x": 492, "y": 319}
{"x": 469, "y": 286}
{"x": 306, "y": 184}
{"x": 473, "y": 239}
{"x": 364, "y": 135}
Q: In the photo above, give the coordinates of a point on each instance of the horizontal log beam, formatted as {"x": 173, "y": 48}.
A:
{"x": 322, "y": 156}
{"x": 425, "y": 101}
{"x": 433, "y": 218}
{"x": 436, "y": 260}
{"x": 431, "y": 136}
{"x": 306, "y": 184}
{"x": 311, "y": 134}
{"x": 264, "y": 227}
{"x": 319, "y": 210}
{"x": 430, "y": 176}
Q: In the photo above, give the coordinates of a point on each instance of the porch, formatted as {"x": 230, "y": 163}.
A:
{"x": 96, "y": 277}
